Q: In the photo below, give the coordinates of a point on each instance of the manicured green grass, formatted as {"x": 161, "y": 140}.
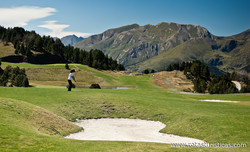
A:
{"x": 184, "y": 115}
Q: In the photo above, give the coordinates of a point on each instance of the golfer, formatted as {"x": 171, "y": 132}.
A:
{"x": 71, "y": 76}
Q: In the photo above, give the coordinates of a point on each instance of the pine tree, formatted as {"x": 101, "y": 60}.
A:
{"x": 3, "y": 80}
{"x": 22, "y": 49}
{"x": 38, "y": 44}
{"x": 28, "y": 53}
{"x": 176, "y": 66}
{"x": 25, "y": 42}
{"x": 146, "y": 71}
{"x": 66, "y": 66}
{"x": 25, "y": 82}
{"x": 1, "y": 70}
{"x": 169, "y": 68}
{"x": 199, "y": 85}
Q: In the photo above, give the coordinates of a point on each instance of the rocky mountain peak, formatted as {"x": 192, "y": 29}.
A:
{"x": 133, "y": 44}
{"x": 71, "y": 39}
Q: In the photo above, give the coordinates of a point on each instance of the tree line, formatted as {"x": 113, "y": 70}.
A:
{"x": 204, "y": 80}
{"x": 242, "y": 78}
{"x": 27, "y": 43}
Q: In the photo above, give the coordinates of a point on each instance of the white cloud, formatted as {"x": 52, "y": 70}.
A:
{"x": 57, "y": 30}
{"x": 20, "y": 16}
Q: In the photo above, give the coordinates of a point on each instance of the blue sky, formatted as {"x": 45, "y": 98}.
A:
{"x": 86, "y": 17}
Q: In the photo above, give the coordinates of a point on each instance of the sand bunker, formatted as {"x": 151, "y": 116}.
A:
{"x": 191, "y": 93}
{"x": 220, "y": 101}
{"x": 127, "y": 130}
{"x": 237, "y": 84}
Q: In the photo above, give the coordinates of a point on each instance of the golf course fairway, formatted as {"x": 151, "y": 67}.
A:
{"x": 37, "y": 118}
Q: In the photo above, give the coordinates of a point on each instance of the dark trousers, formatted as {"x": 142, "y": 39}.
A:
{"x": 70, "y": 85}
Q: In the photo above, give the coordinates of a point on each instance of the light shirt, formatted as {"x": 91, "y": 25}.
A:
{"x": 70, "y": 76}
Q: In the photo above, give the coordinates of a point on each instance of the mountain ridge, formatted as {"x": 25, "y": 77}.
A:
{"x": 71, "y": 39}
{"x": 133, "y": 45}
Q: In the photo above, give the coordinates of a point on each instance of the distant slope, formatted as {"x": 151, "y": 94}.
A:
{"x": 235, "y": 52}
{"x": 155, "y": 47}
{"x": 32, "y": 48}
{"x": 226, "y": 54}
{"x": 56, "y": 74}
{"x": 182, "y": 52}
{"x": 71, "y": 39}
{"x": 7, "y": 54}
{"x": 133, "y": 43}
{"x": 6, "y": 50}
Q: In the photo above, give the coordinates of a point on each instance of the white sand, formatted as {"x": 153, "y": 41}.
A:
{"x": 191, "y": 93}
{"x": 237, "y": 84}
{"x": 127, "y": 130}
{"x": 220, "y": 101}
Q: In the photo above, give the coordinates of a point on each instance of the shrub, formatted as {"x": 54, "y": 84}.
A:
{"x": 95, "y": 86}
{"x": 66, "y": 66}
{"x": 15, "y": 76}
{"x": 200, "y": 85}
{"x": 25, "y": 82}
{"x": 222, "y": 84}
{"x": 18, "y": 81}
{"x": 3, "y": 80}
{"x": 146, "y": 71}
{"x": 1, "y": 71}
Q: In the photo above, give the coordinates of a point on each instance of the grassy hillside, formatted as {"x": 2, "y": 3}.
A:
{"x": 6, "y": 50}
{"x": 35, "y": 119}
{"x": 184, "y": 115}
{"x": 56, "y": 74}
{"x": 201, "y": 49}
{"x": 190, "y": 50}
{"x": 237, "y": 53}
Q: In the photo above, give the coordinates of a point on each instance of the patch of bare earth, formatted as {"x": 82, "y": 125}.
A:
{"x": 173, "y": 80}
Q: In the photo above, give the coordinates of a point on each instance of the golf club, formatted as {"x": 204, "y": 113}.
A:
{"x": 76, "y": 74}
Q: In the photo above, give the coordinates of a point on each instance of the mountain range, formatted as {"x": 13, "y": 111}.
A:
{"x": 156, "y": 46}
{"x": 69, "y": 39}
